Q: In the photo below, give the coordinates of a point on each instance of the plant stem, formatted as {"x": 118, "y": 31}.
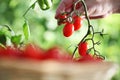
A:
{"x": 74, "y": 51}
{"x": 88, "y": 20}
{"x": 86, "y": 13}
{"x": 28, "y": 9}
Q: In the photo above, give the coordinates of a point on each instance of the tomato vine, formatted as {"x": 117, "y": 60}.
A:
{"x": 90, "y": 31}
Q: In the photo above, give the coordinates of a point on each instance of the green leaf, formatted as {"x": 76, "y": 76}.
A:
{"x": 26, "y": 30}
{"x": 17, "y": 39}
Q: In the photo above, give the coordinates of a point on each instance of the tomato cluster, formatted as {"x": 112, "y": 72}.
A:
{"x": 70, "y": 26}
{"x": 32, "y": 51}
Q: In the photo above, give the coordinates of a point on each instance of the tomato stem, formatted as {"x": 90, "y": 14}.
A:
{"x": 86, "y": 15}
{"x": 89, "y": 30}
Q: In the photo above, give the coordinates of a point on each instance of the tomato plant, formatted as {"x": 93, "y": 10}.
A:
{"x": 31, "y": 51}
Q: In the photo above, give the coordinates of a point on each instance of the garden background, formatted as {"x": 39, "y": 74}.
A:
{"x": 46, "y": 33}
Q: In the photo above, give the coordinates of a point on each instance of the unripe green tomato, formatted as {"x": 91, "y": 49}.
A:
{"x": 45, "y": 4}
{"x": 42, "y": 4}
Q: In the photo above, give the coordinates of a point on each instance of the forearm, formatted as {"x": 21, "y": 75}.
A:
{"x": 116, "y": 6}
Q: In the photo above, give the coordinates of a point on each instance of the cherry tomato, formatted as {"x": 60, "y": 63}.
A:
{"x": 57, "y": 54}
{"x": 82, "y": 48}
{"x": 11, "y": 51}
{"x": 52, "y": 53}
{"x": 77, "y": 22}
{"x": 87, "y": 58}
{"x": 68, "y": 29}
{"x": 90, "y": 58}
{"x": 33, "y": 52}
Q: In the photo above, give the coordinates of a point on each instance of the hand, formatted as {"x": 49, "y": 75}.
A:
{"x": 96, "y": 8}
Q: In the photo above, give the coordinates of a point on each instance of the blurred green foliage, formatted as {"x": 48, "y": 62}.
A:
{"x": 46, "y": 33}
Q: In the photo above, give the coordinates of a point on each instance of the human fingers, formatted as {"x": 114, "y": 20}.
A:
{"x": 97, "y": 9}
{"x": 65, "y": 6}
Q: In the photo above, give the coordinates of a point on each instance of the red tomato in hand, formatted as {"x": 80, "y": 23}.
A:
{"x": 77, "y": 22}
{"x": 68, "y": 29}
{"x": 82, "y": 48}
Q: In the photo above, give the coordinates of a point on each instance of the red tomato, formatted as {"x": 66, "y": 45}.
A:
{"x": 33, "y": 52}
{"x": 87, "y": 58}
{"x": 11, "y": 51}
{"x": 68, "y": 29}
{"x": 82, "y": 48}
{"x": 56, "y": 53}
{"x": 77, "y": 22}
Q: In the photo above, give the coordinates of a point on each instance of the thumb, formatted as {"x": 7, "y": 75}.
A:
{"x": 60, "y": 9}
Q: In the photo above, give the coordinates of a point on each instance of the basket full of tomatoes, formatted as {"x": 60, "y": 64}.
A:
{"x": 31, "y": 62}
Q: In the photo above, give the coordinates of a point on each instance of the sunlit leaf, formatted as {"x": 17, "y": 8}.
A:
{"x": 26, "y": 30}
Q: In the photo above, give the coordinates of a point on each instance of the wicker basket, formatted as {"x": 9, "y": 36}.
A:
{"x": 14, "y": 69}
